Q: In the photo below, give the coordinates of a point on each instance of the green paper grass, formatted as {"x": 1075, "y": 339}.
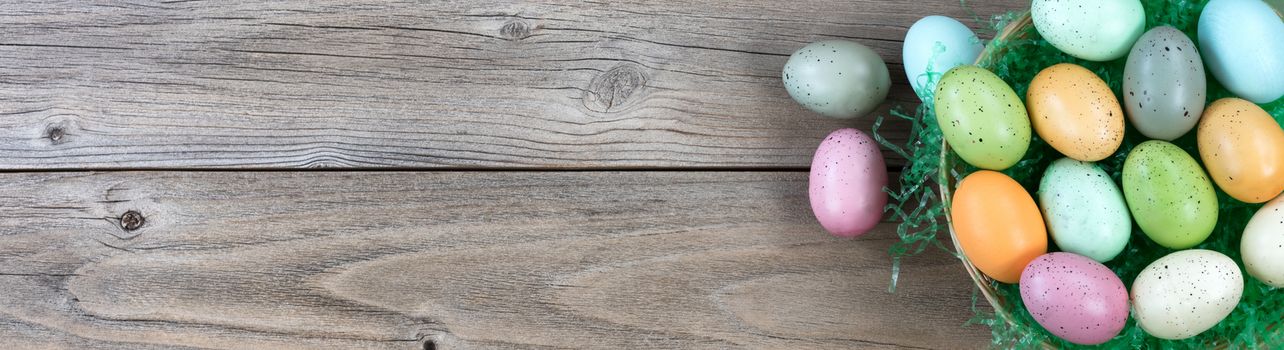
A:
{"x": 1255, "y": 323}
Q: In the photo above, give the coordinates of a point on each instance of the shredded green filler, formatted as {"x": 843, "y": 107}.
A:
{"x": 1256, "y": 323}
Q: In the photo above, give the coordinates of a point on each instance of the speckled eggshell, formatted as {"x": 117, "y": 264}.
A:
{"x": 1084, "y": 209}
{"x": 1185, "y": 293}
{"x": 846, "y": 186}
{"x": 1075, "y": 298}
{"x": 1094, "y": 30}
{"x": 933, "y": 45}
{"x": 1075, "y": 112}
{"x": 1262, "y": 245}
{"x": 1168, "y": 194}
{"x": 837, "y": 78}
{"x": 1243, "y": 149}
{"x": 982, "y": 118}
{"x": 1242, "y": 42}
{"x": 1164, "y": 86}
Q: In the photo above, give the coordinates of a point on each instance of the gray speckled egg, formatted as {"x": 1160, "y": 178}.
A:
{"x": 1185, "y": 293}
{"x": 1164, "y": 85}
{"x": 837, "y": 78}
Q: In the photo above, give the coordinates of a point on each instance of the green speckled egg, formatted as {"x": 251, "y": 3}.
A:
{"x": 982, "y": 118}
{"x": 1084, "y": 209}
{"x": 1169, "y": 195}
{"x": 837, "y": 78}
{"x": 1094, "y": 30}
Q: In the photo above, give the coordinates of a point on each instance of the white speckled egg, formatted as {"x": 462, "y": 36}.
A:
{"x": 1262, "y": 245}
{"x": 1164, "y": 87}
{"x": 933, "y": 45}
{"x": 1243, "y": 43}
{"x": 1185, "y": 293}
{"x": 837, "y": 78}
{"x": 1084, "y": 209}
{"x": 1094, "y": 30}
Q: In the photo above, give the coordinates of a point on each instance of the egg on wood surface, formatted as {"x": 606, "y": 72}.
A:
{"x": 1084, "y": 209}
{"x": 1168, "y": 194}
{"x": 1243, "y": 149}
{"x": 837, "y": 78}
{"x": 982, "y": 118}
{"x": 848, "y": 174}
{"x": 997, "y": 224}
{"x": 1075, "y": 112}
{"x": 1243, "y": 43}
{"x": 1262, "y": 245}
{"x": 1185, "y": 293}
{"x": 1164, "y": 86}
{"x": 1075, "y": 298}
{"x": 933, "y": 46}
{"x": 1094, "y": 30}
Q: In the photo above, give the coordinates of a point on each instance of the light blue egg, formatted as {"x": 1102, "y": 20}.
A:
{"x": 933, "y": 45}
{"x": 1243, "y": 44}
{"x": 1084, "y": 209}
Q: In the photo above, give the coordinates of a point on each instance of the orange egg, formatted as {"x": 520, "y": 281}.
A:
{"x": 997, "y": 225}
{"x": 1243, "y": 149}
{"x": 1075, "y": 112}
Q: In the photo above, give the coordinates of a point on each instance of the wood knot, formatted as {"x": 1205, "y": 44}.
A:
{"x": 516, "y": 29}
{"x": 132, "y": 220}
{"x": 57, "y": 133}
{"x": 612, "y": 89}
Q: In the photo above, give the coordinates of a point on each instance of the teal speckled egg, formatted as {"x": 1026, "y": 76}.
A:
{"x": 1084, "y": 209}
{"x": 1169, "y": 195}
{"x": 982, "y": 118}
{"x": 1094, "y": 30}
{"x": 837, "y": 78}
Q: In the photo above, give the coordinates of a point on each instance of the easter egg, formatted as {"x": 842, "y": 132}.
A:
{"x": 1084, "y": 210}
{"x": 1075, "y": 298}
{"x": 846, "y": 184}
{"x": 1094, "y": 30}
{"x": 1243, "y": 148}
{"x": 1242, "y": 42}
{"x": 997, "y": 224}
{"x": 1168, "y": 194}
{"x": 1262, "y": 245}
{"x": 933, "y": 45}
{"x": 1164, "y": 86}
{"x": 982, "y": 118}
{"x": 837, "y": 78}
{"x": 1075, "y": 112}
{"x": 1185, "y": 293}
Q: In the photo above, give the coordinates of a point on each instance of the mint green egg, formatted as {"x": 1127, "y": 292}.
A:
{"x": 982, "y": 118}
{"x": 1169, "y": 195}
{"x": 837, "y": 78}
{"x": 1094, "y": 30}
{"x": 1084, "y": 210}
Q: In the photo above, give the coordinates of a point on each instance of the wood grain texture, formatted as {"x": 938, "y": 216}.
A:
{"x": 345, "y": 83}
{"x": 463, "y": 259}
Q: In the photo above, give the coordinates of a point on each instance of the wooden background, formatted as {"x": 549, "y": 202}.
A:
{"x": 448, "y": 175}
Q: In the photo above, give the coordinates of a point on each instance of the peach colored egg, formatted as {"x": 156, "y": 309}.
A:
{"x": 846, "y": 185}
{"x": 1075, "y": 112}
{"x": 1243, "y": 149}
{"x": 997, "y": 224}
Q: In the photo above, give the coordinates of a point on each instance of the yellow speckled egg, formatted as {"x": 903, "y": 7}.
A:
{"x": 1075, "y": 112}
{"x": 1243, "y": 149}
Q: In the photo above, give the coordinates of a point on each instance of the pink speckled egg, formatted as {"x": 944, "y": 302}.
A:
{"x": 1074, "y": 297}
{"x": 846, "y": 186}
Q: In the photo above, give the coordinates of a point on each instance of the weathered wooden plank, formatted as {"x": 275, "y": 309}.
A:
{"x": 461, "y": 259}
{"x": 345, "y": 83}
